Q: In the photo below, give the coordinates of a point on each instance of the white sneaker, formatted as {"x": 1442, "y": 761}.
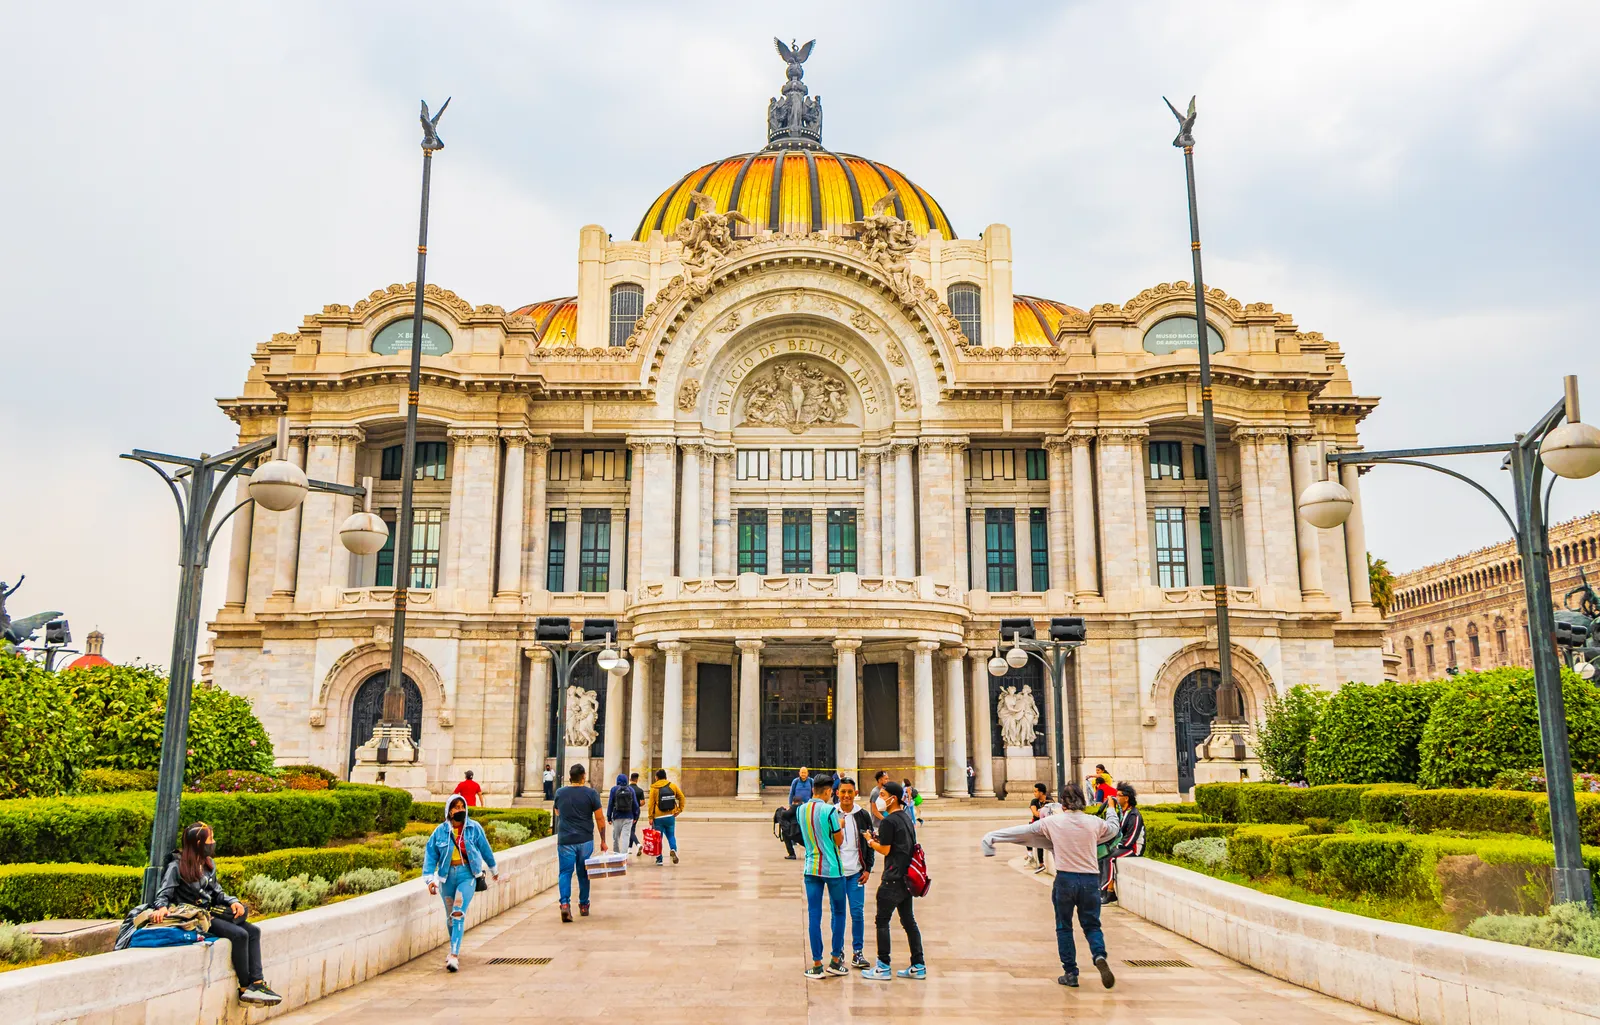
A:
{"x": 452, "y": 963}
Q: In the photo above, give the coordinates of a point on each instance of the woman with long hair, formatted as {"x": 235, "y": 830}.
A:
{"x": 191, "y": 878}
{"x": 1041, "y": 797}
{"x": 453, "y": 863}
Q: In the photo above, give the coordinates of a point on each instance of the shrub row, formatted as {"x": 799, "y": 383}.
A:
{"x": 116, "y": 781}
{"x": 328, "y": 862}
{"x": 537, "y": 820}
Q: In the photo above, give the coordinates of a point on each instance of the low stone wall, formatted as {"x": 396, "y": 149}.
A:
{"x": 1415, "y": 974}
{"x": 306, "y": 955}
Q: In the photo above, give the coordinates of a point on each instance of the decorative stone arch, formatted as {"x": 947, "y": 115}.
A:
{"x": 355, "y": 666}
{"x": 1249, "y": 674}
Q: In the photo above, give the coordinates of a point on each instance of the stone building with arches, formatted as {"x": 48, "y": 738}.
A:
{"x": 807, "y": 446}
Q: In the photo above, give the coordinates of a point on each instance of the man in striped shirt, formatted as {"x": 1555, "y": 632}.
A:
{"x": 822, "y": 829}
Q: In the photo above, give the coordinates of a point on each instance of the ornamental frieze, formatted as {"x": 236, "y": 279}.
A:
{"x": 822, "y": 399}
{"x": 796, "y": 395}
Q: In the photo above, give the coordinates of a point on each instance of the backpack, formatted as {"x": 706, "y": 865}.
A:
{"x": 666, "y": 800}
{"x": 917, "y": 878}
{"x": 627, "y": 804}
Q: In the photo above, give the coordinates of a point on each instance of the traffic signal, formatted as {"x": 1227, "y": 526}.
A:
{"x": 1068, "y": 628}
{"x": 552, "y": 628}
{"x": 57, "y": 633}
{"x": 1019, "y": 626}
{"x": 599, "y": 629}
{"x": 1572, "y": 628}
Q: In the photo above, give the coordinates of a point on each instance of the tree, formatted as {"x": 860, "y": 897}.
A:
{"x": 44, "y": 742}
{"x": 1382, "y": 583}
{"x": 1487, "y": 723}
{"x": 1369, "y": 733}
{"x": 1283, "y": 736}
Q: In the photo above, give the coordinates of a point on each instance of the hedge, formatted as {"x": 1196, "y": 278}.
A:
{"x": 327, "y": 862}
{"x": 116, "y": 781}
{"x": 1370, "y": 733}
{"x": 1486, "y": 723}
{"x": 1275, "y": 802}
{"x": 1250, "y": 847}
{"x": 1162, "y": 831}
{"x": 536, "y": 819}
{"x": 29, "y": 893}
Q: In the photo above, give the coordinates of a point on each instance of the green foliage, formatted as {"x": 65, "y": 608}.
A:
{"x": 1206, "y": 851}
{"x": 365, "y": 880}
{"x": 503, "y": 834}
{"x": 277, "y": 896}
{"x": 44, "y": 738}
{"x": 1486, "y": 723}
{"x": 234, "y": 781}
{"x": 1283, "y": 737}
{"x": 30, "y": 893}
{"x": 18, "y": 944}
{"x": 1533, "y": 780}
{"x": 330, "y": 778}
{"x": 116, "y": 781}
{"x": 1493, "y": 811}
{"x": 1381, "y": 582}
{"x": 107, "y": 829}
{"x": 536, "y": 819}
{"x": 1162, "y": 832}
{"x": 327, "y": 862}
{"x": 1218, "y": 802}
{"x": 394, "y": 805}
{"x": 1570, "y": 928}
{"x": 1250, "y": 847}
{"x": 415, "y": 848}
{"x": 1370, "y": 734}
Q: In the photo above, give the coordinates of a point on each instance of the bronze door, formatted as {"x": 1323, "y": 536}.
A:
{"x": 796, "y": 723}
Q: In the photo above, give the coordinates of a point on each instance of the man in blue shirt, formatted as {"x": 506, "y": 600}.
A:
{"x": 799, "y": 793}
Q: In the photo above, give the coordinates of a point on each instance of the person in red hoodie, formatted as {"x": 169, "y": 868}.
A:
{"x": 469, "y": 789}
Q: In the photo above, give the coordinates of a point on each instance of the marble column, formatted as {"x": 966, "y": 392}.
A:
{"x": 509, "y": 584}
{"x": 961, "y": 568}
{"x": 472, "y": 516}
{"x": 888, "y": 510}
{"x": 819, "y": 539}
{"x": 636, "y": 517}
{"x": 923, "y": 744}
{"x": 536, "y": 519}
{"x": 672, "y": 710}
{"x": 705, "y": 531}
{"x": 1023, "y": 546}
{"x": 287, "y": 546}
{"x": 982, "y": 726}
{"x": 618, "y": 554}
{"x": 749, "y": 719}
{"x": 1143, "y": 554}
{"x": 239, "y": 548}
{"x": 1058, "y": 454}
{"x": 955, "y": 723}
{"x": 774, "y": 540}
{"x": 656, "y": 512}
{"x": 343, "y": 505}
{"x": 316, "y": 517}
{"x": 937, "y": 491}
{"x": 639, "y": 711}
{"x": 846, "y": 709}
{"x": 722, "y": 542}
{"x": 1085, "y": 570}
{"x": 689, "y": 511}
{"x": 1355, "y": 543}
{"x": 1122, "y": 513}
{"x": 905, "y": 512}
{"x": 1302, "y": 473}
{"x": 613, "y": 729}
{"x": 1250, "y": 508}
{"x": 538, "y": 721}
{"x": 871, "y": 541}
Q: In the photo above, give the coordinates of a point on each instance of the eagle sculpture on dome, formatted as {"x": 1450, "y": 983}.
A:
{"x": 793, "y": 55}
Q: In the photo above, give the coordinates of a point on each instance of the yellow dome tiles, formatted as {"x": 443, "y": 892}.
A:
{"x": 795, "y": 192}
{"x": 1035, "y": 321}
{"x": 555, "y": 320}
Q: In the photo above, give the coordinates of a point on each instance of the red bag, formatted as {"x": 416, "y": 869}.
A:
{"x": 917, "y": 878}
{"x": 650, "y": 840}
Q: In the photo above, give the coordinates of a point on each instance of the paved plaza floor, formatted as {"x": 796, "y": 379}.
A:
{"x": 720, "y": 938}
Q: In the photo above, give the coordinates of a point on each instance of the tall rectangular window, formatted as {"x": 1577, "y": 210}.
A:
{"x": 880, "y": 706}
{"x": 555, "y": 574}
{"x": 1166, "y": 460}
{"x": 559, "y": 465}
{"x": 796, "y": 463}
{"x": 1450, "y": 652}
{"x": 713, "y": 707}
{"x": 841, "y": 540}
{"x": 1172, "y": 567}
{"x": 751, "y": 464}
{"x": 1038, "y": 464}
{"x": 992, "y": 464}
{"x": 602, "y": 464}
{"x": 1201, "y": 471}
{"x": 839, "y": 464}
{"x": 426, "y": 527}
{"x": 1472, "y": 645}
{"x": 1000, "y": 548}
{"x": 797, "y": 540}
{"x": 429, "y": 462}
{"x": 1039, "y": 549}
{"x": 594, "y": 550}
{"x": 1208, "y": 561}
{"x": 753, "y": 541}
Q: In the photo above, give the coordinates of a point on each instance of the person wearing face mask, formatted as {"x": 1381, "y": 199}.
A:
{"x": 191, "y": 878}
{"x": 456, "y": 858}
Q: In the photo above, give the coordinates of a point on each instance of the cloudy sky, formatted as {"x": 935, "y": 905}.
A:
{"x": 184, "y": 180}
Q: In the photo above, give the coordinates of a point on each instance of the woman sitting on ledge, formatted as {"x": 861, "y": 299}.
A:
{"x": 191, "y": 878}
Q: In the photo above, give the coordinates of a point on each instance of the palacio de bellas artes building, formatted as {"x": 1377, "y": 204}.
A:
{"x": 799, "y": 437}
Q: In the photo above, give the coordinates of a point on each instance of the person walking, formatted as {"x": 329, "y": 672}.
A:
{"x": 1041, "y": 797}
{"x": 642, "y": 797}
{"x": 1129, "y": 842}
{"x": 457, "y": 854}
{"x": 799, "y": 793}
{"x": 972, "y": 781}
{"x": 894, "y": 838}
{"x": 578, "y": 816}
{"x": 191, "y": 878}
{"x": 469, "y": 789}
{"x": 622, "y": 811}
{"x": 1072, "y": 837}
{"x": 856, "y": 860}
{"x": 875, "y": 806}
{"x": 822, "y": 832}
{"x": 549, "y": 782}
{"x": 913, "y": 800}
{"x": 666, "y": 804}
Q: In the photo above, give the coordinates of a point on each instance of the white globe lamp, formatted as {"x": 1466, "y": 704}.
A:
{"x": 1016, "y": 658}
{"x": 364, "y": 533}
{"x": 1326, "y": 504}
{"x": 609, "y": 659}
{"x": 278, "y": 485}
{"x": 998, "y": 667}
{"x": 1572, "y": 450}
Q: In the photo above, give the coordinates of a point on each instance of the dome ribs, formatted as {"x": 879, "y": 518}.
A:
{"x": 775, "y": 214}
{"x": 857, "y": 211}
{"x": 711, "y": 169}
{"x": 738, "y": 183}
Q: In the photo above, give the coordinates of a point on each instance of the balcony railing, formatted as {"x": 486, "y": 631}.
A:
{"x": 802, "y": 586}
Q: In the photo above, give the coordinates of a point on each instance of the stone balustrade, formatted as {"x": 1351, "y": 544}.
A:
{"x": 802, "y": 586}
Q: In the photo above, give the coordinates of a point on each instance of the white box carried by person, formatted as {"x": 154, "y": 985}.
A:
{"x": 607, "y": 864}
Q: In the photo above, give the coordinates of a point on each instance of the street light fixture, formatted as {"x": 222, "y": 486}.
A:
{"x": 554, "y": 634}
{"x": 1572, "y": 450}
{"x": 997, "y": 664}
{"x": 1066, "y": 634}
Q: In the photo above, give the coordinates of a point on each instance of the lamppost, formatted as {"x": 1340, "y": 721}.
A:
{"x": 1066, "y": 633}
{"x": 554, "y": 634}
{"x": 392, "y": 730}
{"x": 1228, "y": 727}
{"x": 277, "y": 485}
{"x": 1567, "y": 447}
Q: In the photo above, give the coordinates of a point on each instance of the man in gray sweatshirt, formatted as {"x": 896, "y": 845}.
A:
{"x": 1073, "y": 837}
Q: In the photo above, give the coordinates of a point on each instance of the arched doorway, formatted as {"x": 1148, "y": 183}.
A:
{"x": 367, "y": 708}
{"x": 796, "y": 722}
{"x": 1194, "y": 705}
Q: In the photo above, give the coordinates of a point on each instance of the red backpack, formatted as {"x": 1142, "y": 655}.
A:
{"x": 917, "y": 878}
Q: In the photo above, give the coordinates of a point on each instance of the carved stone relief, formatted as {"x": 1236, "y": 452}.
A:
{"x": 796, "y": 395}
{"x": 688, "y": 395}
{"x": 908, "y": 395}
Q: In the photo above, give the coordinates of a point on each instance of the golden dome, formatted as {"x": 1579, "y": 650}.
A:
{"x": 1034, "y": 321}
{"x": 555, "y": 320}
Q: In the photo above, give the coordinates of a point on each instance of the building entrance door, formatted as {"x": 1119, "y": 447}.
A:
{"x": 366, "y": 708}
{"x": 1194, "y": 705}
{"x": 796, "y": 723}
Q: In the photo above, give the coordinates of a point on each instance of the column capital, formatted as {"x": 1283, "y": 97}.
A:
{"x": 750, "y": 644}
{"x": 719, "y": 451}
{"x": 950, "y": 442}
{"x": 1080, "y": 435}
{"x": 956, "y": 653}
{"x": 537, "y": 653}
{"x": 923, "y": 647}
{"x": 642, "y": 653}
{"x": 472, "y": 434}
{"x": 516, "y": 435}
{"x": 1260, "y": 433}
{"x": 694, "y": 444}
{"x": 652, "y": 442}
{"x": 1125, "y": 433}
{"x": 1054, "y": 442}
{"x": 673, "y": 648}
{"x": 847, "y": 644}
{"x": 899, "y": 445}
{"x": 330, "y": 432}
{"x": 538, "y": 443}
{"x": 1302, "y": 433}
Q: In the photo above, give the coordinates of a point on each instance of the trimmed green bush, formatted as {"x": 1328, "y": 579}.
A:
{"x": 116, "y": 781}
{"x": 328, "y": 862}
{"x": 1487, "y": 723}
{"x": 504, "y": 834}
{"x": 1163, "y": 832}
{"x": 1218, "y": 802}
{"x": 1370, "y": 733}
{"x": 1250, "y": 847}
{"x": 1570, "y": 928}
{"x": 29, "y": 893}
{"x": 18, "y": 944}
{"x": 1207, "y": 851}
{"x": 107, "y": 829}
{"x": 276, "y": 896}
{"x": 1488, "y": 811}
{"x": 365, "y": 880}
{"x": 537, "y": 820}
{"x": 236, "y": 781}
{"x": 330, "y": 778}
{"x": 1283, "y": 736}
{"x": 44, "y": 736}
{"x": 394, "y": 805}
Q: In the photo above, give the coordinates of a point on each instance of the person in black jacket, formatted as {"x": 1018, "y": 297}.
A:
{"x": 856, "y": 857}
{"x": 191, "y": 878}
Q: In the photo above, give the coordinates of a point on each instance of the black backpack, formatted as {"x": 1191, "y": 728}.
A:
{"x": 626, "y": 804}
{"x": 666, "y": 800}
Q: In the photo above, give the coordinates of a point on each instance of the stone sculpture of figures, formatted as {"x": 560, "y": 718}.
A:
{"x": 796, "y": 395}
{"x": 706, "y": 240}
{"x": 1018, "y": 716}
{"x": 583, "y": 712}
{"x": 888, "y": 241}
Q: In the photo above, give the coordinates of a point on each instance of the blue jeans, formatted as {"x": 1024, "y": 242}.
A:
{"x": 570, "y": 857}
{"x": 836, "y": 903}
{"x": 458, "y": 885}
{"x": 1080, "y": 890}
{"x": 667, "y": 826}
{"x": 856, "y": 896}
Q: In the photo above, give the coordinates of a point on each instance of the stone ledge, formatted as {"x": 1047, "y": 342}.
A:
{"x": 1415, "y": 974}
{"x": 306, "y": 956}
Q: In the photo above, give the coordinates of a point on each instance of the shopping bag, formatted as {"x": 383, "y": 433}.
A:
{"x": 610, "y": 864}
{"x": 651, "y": 842}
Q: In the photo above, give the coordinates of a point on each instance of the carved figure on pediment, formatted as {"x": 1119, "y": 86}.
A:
{"x": 863, "y": 323}
{"x": 697, "y": 355}
{"x": 888, "y": 241}
{"x": 731, "y": 324}
{"x": 688, "y": 395}
{"x": 892, "y": 353}
{"x": 707, "y": 240}
{"x": 796, "y": 395}
{"x": 908, "y": 395}
{"x": 765, "y": 306}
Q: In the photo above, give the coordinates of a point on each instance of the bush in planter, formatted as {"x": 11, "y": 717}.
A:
{"x": 503, "y": 834}
{"x": 1533, "y": 781}
{"x": 44, "y": 737}
{"x": 30, "y": 893}
{"x": 18, "y": 944}
{"x": 1486, "y": 723}
{"x": 365, "y": 880}
{"x": 107, "y": 829}
{"x": 276, "y": 896}
{"x": 116, "y": 781}
{"x": 1205, "y": 851}
{"x": 327, "y": 862}
{"x": 393, "y": 809}
{"x": 1370, "y": 734}
{"x": 1284, "y": 735}
{"x": 316, "y": 771}
{"x": 233, "y": 781}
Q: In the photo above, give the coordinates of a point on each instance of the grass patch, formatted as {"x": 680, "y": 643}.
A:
{"x": 63, "y": 955}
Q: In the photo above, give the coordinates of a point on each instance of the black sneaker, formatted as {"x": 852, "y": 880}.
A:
{"x": 836, "y": 966}
{"x": 1069, "y": 979}
{"x": 815, "y": 972}
{"x": 258, "y": 993}
{"x": 860, "y": 962}
{"x": 1104, "y": 967}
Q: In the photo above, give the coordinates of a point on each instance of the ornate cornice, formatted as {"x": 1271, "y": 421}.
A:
{"x": 1124, "y": 432}
{"x": 472, "y": 434}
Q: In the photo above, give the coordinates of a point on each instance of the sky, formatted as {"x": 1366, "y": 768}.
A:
{"x": 184, "y": 180}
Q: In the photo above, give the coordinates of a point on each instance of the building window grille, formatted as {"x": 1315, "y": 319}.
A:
{"x": 627, "y": 306}
{"x": 559, "y": 465}
{"x": 427, "y": 526}
{"x": 966, "y": 303}
{"x": 751, "y": 464}
{"x": 795, "y": 463}
{"x": 555, "y": 574}
{"x": 1201, "y": 471}
{"x": 429, "y": 462}
{"x": 1039, "y": 549}
{"x": 1166, "y": 460}
{"x": 1000, "y": 548}
{"x": 603, "y": 464}
{"x": 841, "y": 540}
{"x": 839, "y": 464}
{"x": 1208, "y": 559}
{"x": 753, "y": 541}
{"x": 594, "y": 550}
{"x": 992, "y": 464}
{"x": 1038, "y": 463}
{"x": 1172, "y": 569}
{"x": 797, "y": 540}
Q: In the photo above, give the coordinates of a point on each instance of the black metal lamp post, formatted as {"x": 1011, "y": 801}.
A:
{"x": 554, "y": 634}
{"x": 1066, "y": 633}
{"x": 279, "y": 486}
{"x": 1568, "y": 448}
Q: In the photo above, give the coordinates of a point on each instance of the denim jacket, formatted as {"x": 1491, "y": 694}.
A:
{"x": 436, "y": 856}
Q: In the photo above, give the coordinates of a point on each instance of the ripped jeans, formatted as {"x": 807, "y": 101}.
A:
{"x": 458, "y": 885}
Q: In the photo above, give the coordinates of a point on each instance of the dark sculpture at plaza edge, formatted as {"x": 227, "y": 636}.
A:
{"x": 795, "y": 117}
{"x": 18, "y": 631}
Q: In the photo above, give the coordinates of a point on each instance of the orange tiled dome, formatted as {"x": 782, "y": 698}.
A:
{"x": 1035, "y": 321}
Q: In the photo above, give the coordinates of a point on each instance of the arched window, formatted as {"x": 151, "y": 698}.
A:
{"x": 627, "y": 306}
{"x": 1500, "y": 638}
{"x": 1411, "y": 658}
{"x": 1427, "y": 649}
{"x": 1472, "y": 642}
{"x": 1449, "y": 646}
{"x": 966, "y": 302}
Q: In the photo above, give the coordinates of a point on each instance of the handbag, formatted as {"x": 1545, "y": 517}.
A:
{"x": 651, "y": 843}
{"x": 480, "y": 882}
